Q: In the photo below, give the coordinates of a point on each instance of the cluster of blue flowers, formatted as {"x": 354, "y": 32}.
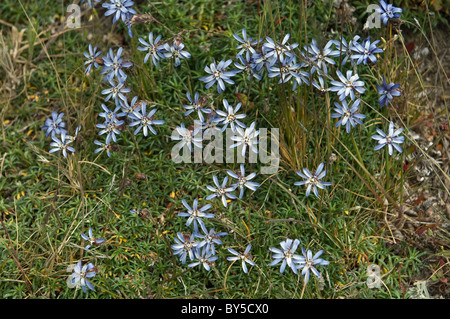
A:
{"x": 81, "y": 273}
{"x": 134, "y": 113}
{"x": 56, "y": 128}
{"x": 291, "y": 65}
{"x": 199, "y": 246}
{"x": 203, "y": 251}
{"x": 113, "y": 68}
{"x": 156, "y": 49}
{"x": 120, "y": 10}
{"x": 388, "y": 11}
{"x": 287, "y": 257}
{"x": 279, "y": 60}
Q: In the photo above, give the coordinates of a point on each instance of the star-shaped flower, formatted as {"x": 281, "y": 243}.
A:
{"x": 195, "y": 214}
{"x": 313, "y": 180}
{"x": 222, "y": 191}
{"x": 391, "y": 139}
{"x": 244, "y": 257}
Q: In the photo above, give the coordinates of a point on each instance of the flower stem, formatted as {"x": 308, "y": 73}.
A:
{"x": 303, "y": 290}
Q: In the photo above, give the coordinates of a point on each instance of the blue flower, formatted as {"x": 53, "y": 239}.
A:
{"x": 348, "y": 117}
{"x": 320, "y": 86}
{"x": 153, "y": 48}
{"x": 144, "y": 120}
{"x": 387, "y": 92}
{"x": 248, "y": 66}
{"x": 278, "y": 51}
{"x": 286, "y": 255}
{"x": 247, "y": 138}
{"x": 221, "y": 191}
{"x": 300, "y": 76}
{"x": 128, "y": 108}
{"x": 364, "y": 51}
{"x": 308, "y": 261}
{"x": 111, "y": 128}
{"x": 344, "y": 48}
{"x": 230, "y": 116}
{"x": 92, "y": 58}
{"x": 391, "y": 139}
{"x": 246, "y": 45}
{"x": 176, "y": 52}
{"x": 313, "y": 180}
{"x": 218, "y": 74}
{"x": 388, "y": 11}
{"x": 243, "y": 257}
{"x": 188, "y": 136}
{"x": 54, "y": 125}
{"x": 185, "y": 245}
{"x": 203, "y": 257}
{"x": 348, "y": 85}
{"x": 116, "y": 91}
{"x": 119, "y": 8}
{"x": 61, "y": 145}
{"x": 211, "y": 124}
{"x": 321, "y": 57}
{"x": 80, "y": 275}
{"x": 195, "y": 214}
{"x": 113, "y": 66}
{"x": 285, "y": 70}
{"x": 129, "y": 23}
{"x": 73, "y": 138}
{"x": 209, "y": 239}
{"x": 261, "y": 61}
{"x": 92, "y": 241}
{"x": 243, "y": 180}
{"x": 109, "y": 115}
{"x": 103, "y": 147}
{"x": 196, "y": 105}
